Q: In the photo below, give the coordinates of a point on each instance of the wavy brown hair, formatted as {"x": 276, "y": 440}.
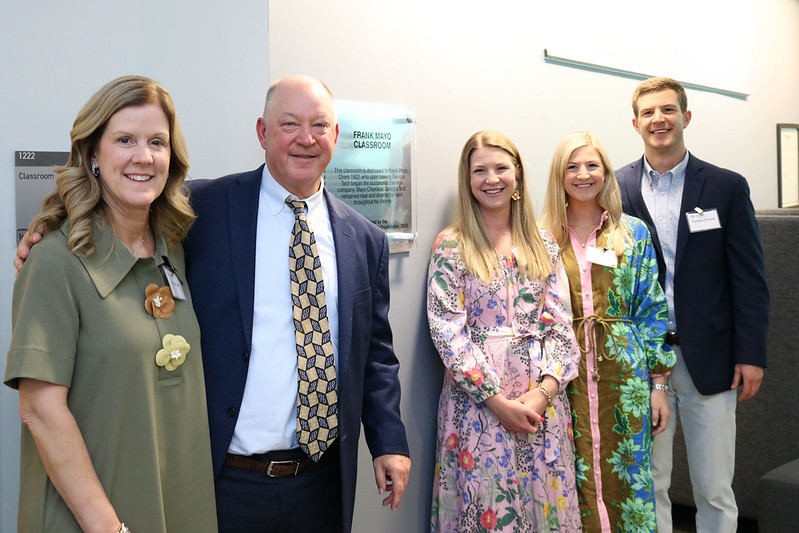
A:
{"x": 477, "y": 250}
{"x": 79, "y": 194}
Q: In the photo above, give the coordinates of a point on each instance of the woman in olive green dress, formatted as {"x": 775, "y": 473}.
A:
{"x": 105, "y": 349}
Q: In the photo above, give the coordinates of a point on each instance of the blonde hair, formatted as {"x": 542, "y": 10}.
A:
{"x": 477, "y": 250}
{"x": 79, "y": 194}
{"x": 554, "y": 217}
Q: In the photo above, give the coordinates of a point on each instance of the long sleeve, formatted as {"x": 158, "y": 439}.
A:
{"x": 383, "y": 427}
{"x": 448, "y": 318}
{"x": 561, "y": 355}
{"x": 747, "y": 279}
{"x": 648, "y": 307}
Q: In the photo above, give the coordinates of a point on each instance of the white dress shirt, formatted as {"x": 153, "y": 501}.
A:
{"x": 268, "y": 415}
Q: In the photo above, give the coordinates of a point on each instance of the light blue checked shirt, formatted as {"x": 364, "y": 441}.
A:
{"x": 663, "y": 195}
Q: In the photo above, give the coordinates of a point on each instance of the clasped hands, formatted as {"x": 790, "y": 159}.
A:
{"x": 520, "y": 415}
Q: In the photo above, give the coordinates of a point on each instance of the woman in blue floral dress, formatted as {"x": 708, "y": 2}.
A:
{"x": 618, "y": 400}
{"x": 500, "y": 318}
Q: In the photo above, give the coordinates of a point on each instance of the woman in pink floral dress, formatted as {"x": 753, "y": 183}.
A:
{"x": 500, "y": 317}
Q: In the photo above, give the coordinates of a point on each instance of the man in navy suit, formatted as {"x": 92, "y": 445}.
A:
{"x": 237, "y": 268}
{"x": 711, "y": 267}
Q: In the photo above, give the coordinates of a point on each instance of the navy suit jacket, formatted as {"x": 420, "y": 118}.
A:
{"x": 220, "y": 264}
{"x": 720, "y": 295}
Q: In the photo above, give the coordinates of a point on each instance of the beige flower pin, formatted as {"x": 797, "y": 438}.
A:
{"x": 173, "y": 354}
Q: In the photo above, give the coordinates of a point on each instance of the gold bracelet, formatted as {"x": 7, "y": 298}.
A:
{"x": 545, "y": 392}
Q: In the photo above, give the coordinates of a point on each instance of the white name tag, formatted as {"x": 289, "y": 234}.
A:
{"x": 601, "y": 257}
{"x": 703, "y": 220}
{"x": 174, "y": 283}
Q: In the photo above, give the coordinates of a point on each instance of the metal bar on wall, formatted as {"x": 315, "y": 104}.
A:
{"x": 582, "y": 65}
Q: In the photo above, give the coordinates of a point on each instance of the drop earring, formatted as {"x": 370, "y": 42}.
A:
{"x": 95, "y": 170}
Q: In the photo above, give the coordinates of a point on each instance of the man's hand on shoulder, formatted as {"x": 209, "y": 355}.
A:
{"x": 391, "y": 474}
{"x": 751, "y": 376}
{"x": 25, "y": 245}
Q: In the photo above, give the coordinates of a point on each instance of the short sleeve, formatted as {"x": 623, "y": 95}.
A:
{"x": 45, "y": 316}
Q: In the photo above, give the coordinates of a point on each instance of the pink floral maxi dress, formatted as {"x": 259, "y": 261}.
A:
{"x": 501, "y": 337}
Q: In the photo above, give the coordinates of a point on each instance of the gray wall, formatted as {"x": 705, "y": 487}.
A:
{"x": 463, "y": 66}
{"x": 212, "y": 56}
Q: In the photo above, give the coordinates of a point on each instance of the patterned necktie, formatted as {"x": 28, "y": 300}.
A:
{"x": 317, "y": 407}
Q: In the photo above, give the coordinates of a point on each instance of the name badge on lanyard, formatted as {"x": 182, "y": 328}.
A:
{"x": 174, "y": 282}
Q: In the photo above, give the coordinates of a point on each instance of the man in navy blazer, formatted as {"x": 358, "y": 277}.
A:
{"x": 711, "y": 267}
{"x": 298, "y": 132}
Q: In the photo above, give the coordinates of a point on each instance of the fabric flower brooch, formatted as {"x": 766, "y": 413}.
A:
{"x": 547, "y": 318}
{"x": 159, "y": 301}
{"x": 173, "y": 354}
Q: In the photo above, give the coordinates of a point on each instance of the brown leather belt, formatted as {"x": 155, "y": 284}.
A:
{"x": 289, "y": 467}
{"x": 672, "y": 339}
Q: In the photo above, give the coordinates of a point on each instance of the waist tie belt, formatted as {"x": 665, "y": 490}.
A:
{"x": 589, "y": 343}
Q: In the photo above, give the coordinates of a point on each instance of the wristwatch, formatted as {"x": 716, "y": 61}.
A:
{"x": 660, "y": 386}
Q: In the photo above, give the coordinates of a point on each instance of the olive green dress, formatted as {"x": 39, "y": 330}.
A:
{"x": 80, "y": 321}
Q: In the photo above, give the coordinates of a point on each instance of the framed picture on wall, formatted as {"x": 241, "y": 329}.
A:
{"x": 788, "y": 164}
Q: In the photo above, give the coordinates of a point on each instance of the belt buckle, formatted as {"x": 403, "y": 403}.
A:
{"x": 296, "y": 464}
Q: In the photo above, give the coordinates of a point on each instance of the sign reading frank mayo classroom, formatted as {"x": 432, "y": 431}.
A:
{"x": 35, "y": 179}
{"x": 372, "y": 168}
